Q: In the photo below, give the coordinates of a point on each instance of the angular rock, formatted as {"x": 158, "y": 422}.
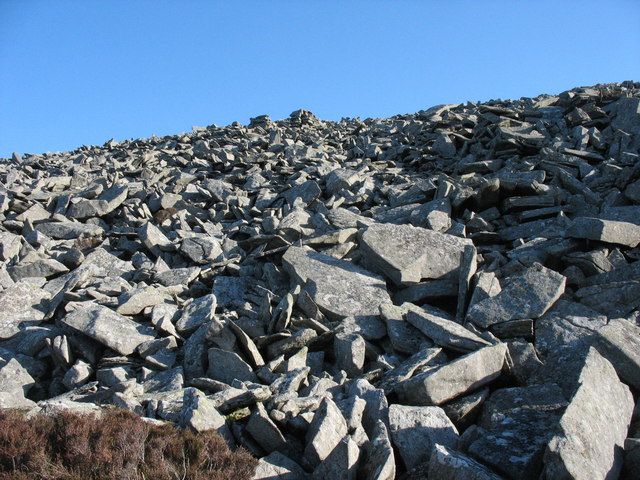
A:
{"x": 527, "y": 295}
{"x": 405, "y": 338}
{"x": 342, "y": 462}
{"x": 197, "y": 313}
{"x": 448, "y": 464}
{"x": 108, "y": 327}
{"x": 378, "y": 459}
{"x": 201, "y": 250}
{"x": 619, "y": 342}
{"x": 419, "y": 426}
{"x": 15, "y": 383}
{"x": 610, "y": 231}
{"x": 352, "y": 290}
{"x": 227, "y": 366}
{"x": 198, "y": 412}
{"x": 407, "y": 254}
{"x": 349, "y": 350}
{"x": 135, "y": 301}
{"x": 265, "y": 432}
{"x": 326, "y": 431}
{"x": 519, "y": 423}
{"x": 454, "y": 378}
{"x": 445, "y": 333}
{"x": 153, "y": 238}
{"x": 68, "y": 230}
{"x": 277, "y": 466}
{"x": 21, "y": 305}
{"x": 593, "y": 427}
{"x": 614, "y": 299}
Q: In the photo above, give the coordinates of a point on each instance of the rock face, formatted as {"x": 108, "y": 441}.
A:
{"x": 448, "y": 294}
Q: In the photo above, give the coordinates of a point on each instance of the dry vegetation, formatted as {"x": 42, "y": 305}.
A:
{"x": 119, "y": 445}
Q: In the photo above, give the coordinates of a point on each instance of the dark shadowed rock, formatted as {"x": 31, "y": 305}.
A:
{"x": 423, "y": 426}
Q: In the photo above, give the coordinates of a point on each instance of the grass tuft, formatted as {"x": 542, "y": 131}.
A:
{"x": 117, "y": 445}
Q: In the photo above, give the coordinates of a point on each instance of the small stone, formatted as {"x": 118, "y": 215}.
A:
{"x": 349, "y": 350}
{"x": 201, "y": 250}
{"x": 135, "y": 301}
{"x": 153, "y": 238}
{"x": 77, "y": 375}
{"x": 197, "y": 313}
{"x": 177, "y": 276}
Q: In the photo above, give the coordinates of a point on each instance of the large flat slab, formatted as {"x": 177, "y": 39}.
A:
{"x": 527, "y": 295}
{"x": 340, "y": 288}
{"x": 455, "y": 378}
{"x": 108, "y": 327}
{"x": 405, "y": 253}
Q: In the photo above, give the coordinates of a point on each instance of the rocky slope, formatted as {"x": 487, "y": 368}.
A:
{"x": 452, "y": 294}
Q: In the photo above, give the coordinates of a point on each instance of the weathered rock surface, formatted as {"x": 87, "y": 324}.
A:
{"x": 109, "y": 328}
{"x": 423, "y": 426}
{"x": 528, "y": 295}
{"x": 340, "y": 288}
{"x": 453, "y": 379}
{"x": 593, "y": 427}
{"x": 407, "y": 254}
{"x": 21, "y": 305}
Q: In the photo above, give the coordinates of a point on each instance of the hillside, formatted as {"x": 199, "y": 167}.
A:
{"x": 453, "y": 293}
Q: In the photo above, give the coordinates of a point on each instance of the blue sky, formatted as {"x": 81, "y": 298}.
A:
{"x": 81, "y": 72}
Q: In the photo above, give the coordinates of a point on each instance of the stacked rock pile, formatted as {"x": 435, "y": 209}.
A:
{"x": 451, "y": 294}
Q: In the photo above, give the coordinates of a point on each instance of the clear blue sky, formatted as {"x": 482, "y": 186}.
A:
{"x": 81, "y": 72}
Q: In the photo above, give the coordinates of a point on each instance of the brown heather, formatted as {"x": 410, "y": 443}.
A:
{"x": 118, "y": 445}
